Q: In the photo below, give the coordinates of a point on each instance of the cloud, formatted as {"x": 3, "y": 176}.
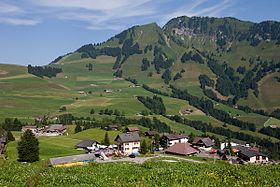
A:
{"x": 17, "y": 21}
{"x": 197, "y": 8}
{"x": 106, "y": 14}
{"x": 8, "y": 8}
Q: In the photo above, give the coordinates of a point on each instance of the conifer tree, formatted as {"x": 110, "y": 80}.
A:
{"x": 28, "y": 147}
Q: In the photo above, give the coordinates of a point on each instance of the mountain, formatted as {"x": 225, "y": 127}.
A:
{"x": 218, "y": 76}
{"x": 242, "y": 58}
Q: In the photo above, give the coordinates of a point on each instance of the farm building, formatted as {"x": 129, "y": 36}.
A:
{"x": 72, "y": 160}
{"x": 150, "y": 133}
{"x": 172, "y": 139}
{"x": 132, "y": 129}
{"x": 250, "y": 155}
{"x": 87, "y": 145}
{"x": 128, "y": 143}
{"x": 203, "y": 143}
{"x": 25, "y": 128}
{"x": 113, "y": 127}
{"x": 182, "y": 149}
{"x": 58, "y": 128}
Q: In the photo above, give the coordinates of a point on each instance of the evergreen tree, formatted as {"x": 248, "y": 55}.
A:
{"x": 28, "y": 147}
{"x": 10, "y": 136}
{"x": 106, "y": 140}
{"x": 144, "y": 147}
{"x": 78, "y": 128}
{"x": 92, "y": 111}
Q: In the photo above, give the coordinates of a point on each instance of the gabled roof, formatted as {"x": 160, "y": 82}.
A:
{"x": 132, "y": 129}
{"x": 175, "y": 136}
{"x": 70, "y": 159}
{"x": 151, "y": 133}
{"x": 182, "y": 149}
{"x": 203, "y": 140}
{"x": 246, "y": 151}
{"x": 86, "y": 143}
{"x": 56, "y": 127}
{"x": 128, "y": 137}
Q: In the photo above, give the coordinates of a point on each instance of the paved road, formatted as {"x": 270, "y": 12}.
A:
{"x": 141, "y": 160}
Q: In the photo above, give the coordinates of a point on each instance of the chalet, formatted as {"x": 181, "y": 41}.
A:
{"x": 128, "y": 143}
{"x": 150, "y": 133}
{"x": 204, "y": 143}
{"x": 132, "y": 129}
{"x": 108, "y": 91}
{"x": 87, "y": 145}
{"x": 182, "y": 149}
{"x": 58, "y": 128}
{"x": 172, "y": 139}
{"x": 225, "y": 144}
{"x": 25, "y": 128}
{"x": 72, "y": 160}
{"x": 250, "y": 155}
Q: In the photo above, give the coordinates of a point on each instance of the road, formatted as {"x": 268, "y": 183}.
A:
{"x": 141, "y": 160}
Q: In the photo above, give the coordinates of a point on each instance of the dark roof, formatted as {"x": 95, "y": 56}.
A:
{"x": 182, "y": 149}
{"x": 56, "y": 127}
{"x": 203, "y": 140}
{"x": 132, "y": 129}
{"x": 86, "y": 143}
{"x": 175, "y": 136}
{"x": 246, "y": 151}
{"x": 150, "y": 133}
{"x": 70, "y": 159}
{"x": 128, "y": 137}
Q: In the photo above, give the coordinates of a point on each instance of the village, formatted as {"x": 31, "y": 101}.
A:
{"x": 128, "y": 146}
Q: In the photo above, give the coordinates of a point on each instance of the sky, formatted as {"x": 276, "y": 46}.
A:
{"x": 37, "y": 31}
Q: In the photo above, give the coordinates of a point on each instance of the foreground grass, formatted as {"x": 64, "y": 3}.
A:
{"x": 151, "y": 173}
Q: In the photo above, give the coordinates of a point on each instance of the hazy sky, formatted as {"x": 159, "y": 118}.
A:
{"x": 37, "y": 31}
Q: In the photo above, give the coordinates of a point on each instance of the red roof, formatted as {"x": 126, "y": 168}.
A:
{"x": 182, "y": 149}
{"x": 132, "y": 129}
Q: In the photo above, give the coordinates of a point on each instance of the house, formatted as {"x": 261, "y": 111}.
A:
{"x": 182, "y": 149}
{"x": 88, "y": 145}
{"x": 25, "y": 128}
{"x": 132, "y": 129}
{"x": 250, "y": 155}
{"x": 128, "y": 143}
{"x": 108, "y": 91}
{"x": 172, "y": 139}
{"x": 72, "y": 160}
{"x": 58, "y": 128}
{"x": 204, "y": 143}
{"x": 151, "y": 133}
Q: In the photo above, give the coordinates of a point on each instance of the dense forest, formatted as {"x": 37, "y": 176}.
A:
{"x": 41, "y": 71}
{"x": 155, "y": 104}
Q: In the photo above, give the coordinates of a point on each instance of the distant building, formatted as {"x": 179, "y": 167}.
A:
{"x": 151, "y": 133}
{"x": 250, "y": 155}
{"x": 132, "y": 129}
{"x": 28, "y": 127}
{"x": 204, "y": 143}
{"x": 58, "y": 128}
{"x": 128, "y": 143}
{"x": 225, "y": 144}
{"x": 172, "y": 139}
{"x": 182, "y": 149}
{"x": 87, "y": 145}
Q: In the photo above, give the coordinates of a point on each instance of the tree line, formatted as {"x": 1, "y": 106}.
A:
{"x": 155, "y": 104}
{"x": 41, "y": 71}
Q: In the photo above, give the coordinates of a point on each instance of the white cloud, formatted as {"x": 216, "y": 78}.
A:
{"x": 197, "y": 9}
{"x": 8, "y": 8}
{"x": 105, "y": 14}
{"x": 17, "y": 21}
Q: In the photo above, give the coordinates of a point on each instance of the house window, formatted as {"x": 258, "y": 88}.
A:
{"x": 127, "y": 144}
{"x": 258, "y": 157}
{"x": 135, "y": 143}
{"x": 127, "y": 149}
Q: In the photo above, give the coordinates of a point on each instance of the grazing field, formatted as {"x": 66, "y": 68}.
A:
{"x": 155, "y": 172}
